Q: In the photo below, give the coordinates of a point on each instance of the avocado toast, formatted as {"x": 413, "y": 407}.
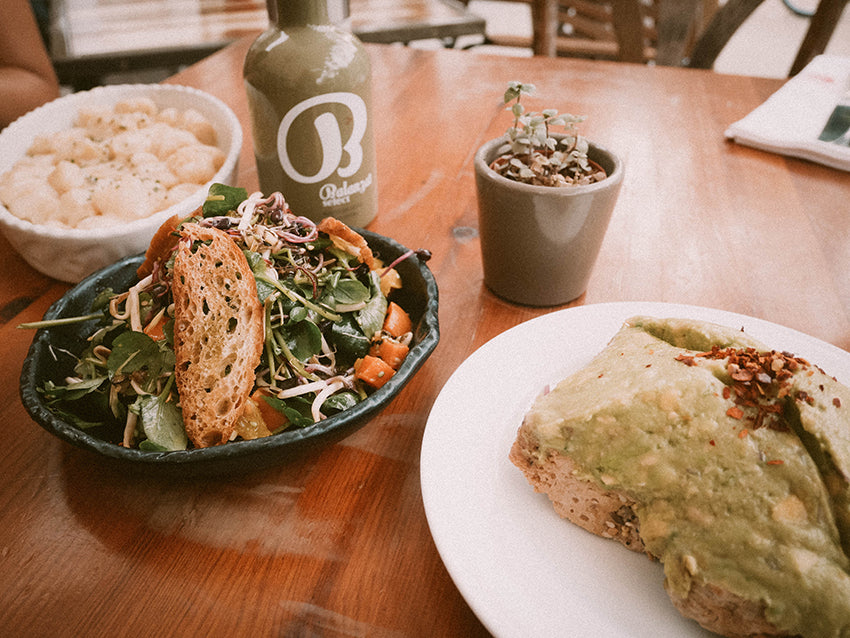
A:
{"x": 721, "y": 458}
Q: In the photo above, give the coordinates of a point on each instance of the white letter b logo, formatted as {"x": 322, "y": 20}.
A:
{"x": 330, "y": 136}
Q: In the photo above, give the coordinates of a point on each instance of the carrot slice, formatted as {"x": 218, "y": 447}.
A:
{"x": 392, "y": 352}
{"x": 397, "y": 322}
{"x": 155, "y": 330}
{"x": 271, "y": 417}
{"x": 373, "y": 371}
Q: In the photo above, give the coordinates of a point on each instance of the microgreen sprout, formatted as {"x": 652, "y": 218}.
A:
{"x": 534, "y": 155}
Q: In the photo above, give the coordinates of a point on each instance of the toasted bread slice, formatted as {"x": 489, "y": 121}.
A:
{"x": 218, "y": 333}
{"x": 348, "y": 239}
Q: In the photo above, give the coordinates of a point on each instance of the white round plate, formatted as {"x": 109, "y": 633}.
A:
{"x": 523, "y": 570}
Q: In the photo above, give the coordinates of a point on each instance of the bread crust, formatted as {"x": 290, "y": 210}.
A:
{"x": 724, "y": 613}
{"x": 602, "y": 512}
{"x": 610, "y": 514}
{"x": 218, "y": 333}
{"x": 162, "y": 244}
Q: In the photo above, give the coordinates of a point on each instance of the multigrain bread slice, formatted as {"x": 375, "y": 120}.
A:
{"x": 659, "y": 443}
{"x": 218, "y": 332}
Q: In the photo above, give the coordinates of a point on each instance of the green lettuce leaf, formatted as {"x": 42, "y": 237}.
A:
{"x": 371, "y": 317}
{"x": 304, "y": 339}
{"x": 222, "y": 199}
{"x": 162, "y": 422}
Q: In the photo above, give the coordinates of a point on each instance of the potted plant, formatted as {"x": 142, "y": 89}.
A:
{"x": 544, "y": 203}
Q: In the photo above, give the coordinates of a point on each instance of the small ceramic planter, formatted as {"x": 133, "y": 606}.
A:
{"x": 539, "y": 243}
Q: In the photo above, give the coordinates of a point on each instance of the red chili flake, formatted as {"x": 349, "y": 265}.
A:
{"x": 836, "y": 402}
{"x": 776, "y": 462}
{"x": 648, "y": 365}
{"x": 739, "y": 374}
{"x": 712, "y": 443}
{"x": 686, "y": 359}
{"x": 743, "y": 433}
{"x": 759, "y": 381}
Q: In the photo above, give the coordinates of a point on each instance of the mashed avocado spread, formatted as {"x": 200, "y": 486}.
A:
{"x": 737, "y": 457}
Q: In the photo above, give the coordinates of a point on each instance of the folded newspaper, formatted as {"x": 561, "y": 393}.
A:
{"x": 805, "y": 118}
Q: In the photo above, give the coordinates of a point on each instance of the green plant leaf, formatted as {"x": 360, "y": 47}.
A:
{"x": 263, "y": 274}
{"x": 132, "y": 351}
{"x": 350, "y": 291}
{"x": 162, "y": 422}
{"x": 72, "y": 391}
{"x": 296, "y": 410}
{"x": 339, "y": 402}
{"x": 371, "y": 316}
{"x": 298, "y": 313}
{"x": 304, "y": 339}
{"x": 222, "y": 199}
{"x": 349, "y": 340}
{"x": 101, "y": 301}
{"x": 78, "y": 421}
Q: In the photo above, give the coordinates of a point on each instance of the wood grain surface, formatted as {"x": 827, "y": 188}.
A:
{"x": 335, "y": 542}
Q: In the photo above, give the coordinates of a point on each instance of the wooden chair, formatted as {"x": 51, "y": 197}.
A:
{"x": 640, "y": 31}
{"x": 620, "y": 30}
{"x": 626, "y": 30}
{"x": 732, "y": 15}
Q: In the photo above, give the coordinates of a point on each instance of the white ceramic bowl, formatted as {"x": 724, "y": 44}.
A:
{"x": 70, "y": 254}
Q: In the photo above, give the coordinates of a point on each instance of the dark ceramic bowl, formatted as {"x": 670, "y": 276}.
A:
{"x": 418, "y": 296}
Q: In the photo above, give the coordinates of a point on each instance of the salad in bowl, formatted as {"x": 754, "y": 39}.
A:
{"x": 243, "y": 322}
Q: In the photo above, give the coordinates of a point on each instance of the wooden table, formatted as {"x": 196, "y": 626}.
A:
{"x": 336, "y": 543}
{"x": 90, "y": 39}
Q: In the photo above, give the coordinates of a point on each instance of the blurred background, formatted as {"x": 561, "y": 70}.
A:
{"x": 776, "y": 27}
{"x": 111, "y": 41}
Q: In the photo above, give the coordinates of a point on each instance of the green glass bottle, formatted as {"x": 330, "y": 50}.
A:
{"x": 308, "y": 83}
